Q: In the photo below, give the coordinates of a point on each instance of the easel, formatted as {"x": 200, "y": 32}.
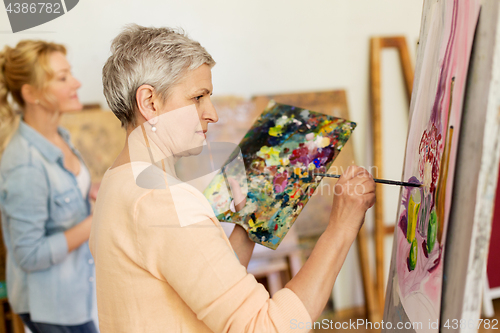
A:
{"x": 375, "y": 298}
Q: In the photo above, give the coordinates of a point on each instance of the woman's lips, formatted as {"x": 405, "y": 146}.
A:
{"x": 202, "y": 134}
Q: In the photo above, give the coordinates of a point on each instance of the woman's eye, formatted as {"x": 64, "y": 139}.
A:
{"x": 62, "y": 78}
{"x": 197, "y": 98}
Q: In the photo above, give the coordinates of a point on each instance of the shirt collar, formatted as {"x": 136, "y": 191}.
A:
{"x": 44, "y": 146}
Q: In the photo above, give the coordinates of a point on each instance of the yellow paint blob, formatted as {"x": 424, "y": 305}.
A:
{"x": 276, "y": 130}
{"x": 412, "y": 219}
{"x": 298, "y": 172}
{"x": 327, "y": 127}
{"x": 270, "y": 154}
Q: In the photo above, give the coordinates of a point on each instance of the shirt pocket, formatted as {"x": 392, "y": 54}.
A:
{"x": 65, "y": 209}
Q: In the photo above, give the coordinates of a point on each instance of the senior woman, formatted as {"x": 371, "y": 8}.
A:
{"x": 44, "y": 192}
{"x": 163, "y": 263}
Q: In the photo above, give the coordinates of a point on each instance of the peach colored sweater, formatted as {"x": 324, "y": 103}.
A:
{"x": 153, "y": 275}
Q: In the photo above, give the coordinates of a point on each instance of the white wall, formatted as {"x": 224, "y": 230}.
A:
{"x": 263, "y": 47}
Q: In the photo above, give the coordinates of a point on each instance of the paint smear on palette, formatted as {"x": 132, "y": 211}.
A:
{"x": 430, "y": 159}
{"x": 280, "y": 152}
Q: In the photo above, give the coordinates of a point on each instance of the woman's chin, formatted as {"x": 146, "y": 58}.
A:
{"x": 191, "y": 152}
{"x": 74, "y": 107}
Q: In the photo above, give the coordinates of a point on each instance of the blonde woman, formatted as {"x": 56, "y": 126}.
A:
{"x": 163, "y": 262}
{"x": 44, "y": 192}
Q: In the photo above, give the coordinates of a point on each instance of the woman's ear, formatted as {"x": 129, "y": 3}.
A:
{"x": 29, "y": 94}
{"x": 145, "y": 98}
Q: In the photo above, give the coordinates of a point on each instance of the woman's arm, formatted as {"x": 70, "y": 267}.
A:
{"x": 79, "y": 234}
{"x": 32, "y": 248}
{"x": 24, "y": 202}
{"x": 242, "y": 245}
{"x": 354, "y": 194}
{"x": 199, "y": 265}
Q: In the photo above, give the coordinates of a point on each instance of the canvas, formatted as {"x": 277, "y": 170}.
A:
{"x": 274, "y": 165}
{"x": 415, "y": 281}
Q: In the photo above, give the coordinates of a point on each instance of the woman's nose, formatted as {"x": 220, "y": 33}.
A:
{"x": 77, "y": 83}
{"x": 210, "y": 113}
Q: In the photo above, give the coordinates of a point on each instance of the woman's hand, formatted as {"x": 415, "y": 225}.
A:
{"x": 242, "y": 245}
{"x": 94, "y": 188}
{"x": 78, "y": 234}
{"x": 239, "y": 198}
{"x": 354, "y": 193}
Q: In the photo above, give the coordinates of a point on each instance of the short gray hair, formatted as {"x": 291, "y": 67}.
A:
{"x": 155, "y": 56}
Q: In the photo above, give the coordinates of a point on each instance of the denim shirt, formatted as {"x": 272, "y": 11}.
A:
{"x": 39, "y": 200}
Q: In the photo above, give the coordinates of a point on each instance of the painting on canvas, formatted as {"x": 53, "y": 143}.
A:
{"x": 415, "y": 281}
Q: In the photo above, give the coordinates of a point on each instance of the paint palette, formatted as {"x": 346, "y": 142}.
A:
{"x": 274, "y": 166}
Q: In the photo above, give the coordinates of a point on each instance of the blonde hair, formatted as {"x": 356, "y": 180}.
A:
{"x": 27, "y": 63}
{"x": 155, "y": 56}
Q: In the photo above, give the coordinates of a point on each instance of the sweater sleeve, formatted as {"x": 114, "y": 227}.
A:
{"x": 198, "y": 262}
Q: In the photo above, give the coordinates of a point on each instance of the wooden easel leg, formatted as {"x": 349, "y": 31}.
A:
{"x": 376, "y": 46}
{"x": 375, "y": 87}
{"x": 373, "y": 313}
{"x": 3, "y": 326}
{"x": 17, "y": 324}
{"x": 406, "y": 65}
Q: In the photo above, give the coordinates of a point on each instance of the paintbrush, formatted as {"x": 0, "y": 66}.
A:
{"x": 380, "y": 181}
{"x": 310, "y": 173}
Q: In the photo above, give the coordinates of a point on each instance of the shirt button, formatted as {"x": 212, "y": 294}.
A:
{"x": 67, "y": 200}
{"x": 91, "y": 279}
{"x": 91, "y": 261}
